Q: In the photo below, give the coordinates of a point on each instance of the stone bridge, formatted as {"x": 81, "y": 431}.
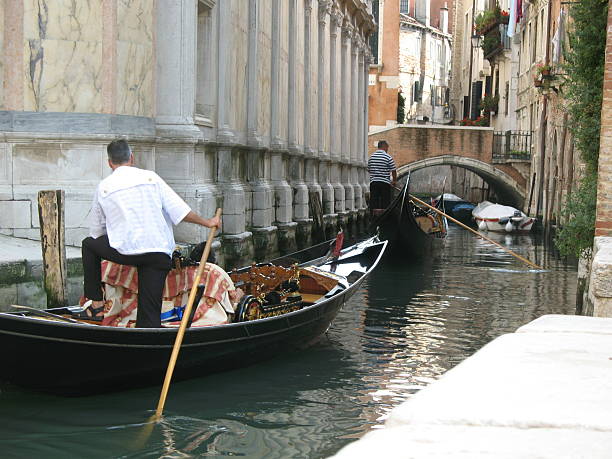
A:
{"x": 416, "y": 147}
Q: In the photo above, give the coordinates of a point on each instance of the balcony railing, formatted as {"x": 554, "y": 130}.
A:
{"x": 511, "y": 146}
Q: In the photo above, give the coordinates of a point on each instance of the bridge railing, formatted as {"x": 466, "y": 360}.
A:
{"x": 511, "y": 146}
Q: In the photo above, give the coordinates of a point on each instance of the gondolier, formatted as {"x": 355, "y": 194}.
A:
{"x": 383, "y": 176}
{"x": 132, "y": 215}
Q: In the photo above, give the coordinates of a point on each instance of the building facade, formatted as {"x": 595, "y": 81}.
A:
{"x": 424, "y": 67}
{"x": 248, "y": 105}
{"x": 497, "y": 79}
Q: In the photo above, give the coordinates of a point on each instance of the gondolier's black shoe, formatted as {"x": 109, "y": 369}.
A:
{"x": 85, "y": 313}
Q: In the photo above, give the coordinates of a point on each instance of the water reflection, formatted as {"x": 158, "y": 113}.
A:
{"x": 407, "y": 325}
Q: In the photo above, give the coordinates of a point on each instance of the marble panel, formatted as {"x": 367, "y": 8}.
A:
{"x": 64, "y": 76}
{"x": 135, "y": 91}
{"x": 264, "y": 63}
{"x": 173, "y": 163}
{"x": 62, "y": 20}
{"x": 15, "y": 214}
{"x": 135, "y": 19}
{"x": 5, "y": 165}
{"x": 2, "y": 58}
{"x": 74, "y": 236}
{"x": 144, "y": 156}
{"x": 237, "y": 108}
{"x": 60, "y": 165}
{"x": 76, "y": 213}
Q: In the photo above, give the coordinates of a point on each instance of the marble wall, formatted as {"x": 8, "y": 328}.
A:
{"x": 79, "y": 57}
{"x": 247, "y": 105}
{"x": 62, "y": 56}
{"x": 135, "y": 57}
{"x": 2, "y": 54}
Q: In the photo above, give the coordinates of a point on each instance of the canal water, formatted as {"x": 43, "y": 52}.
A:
{"x": 410, "y": 322}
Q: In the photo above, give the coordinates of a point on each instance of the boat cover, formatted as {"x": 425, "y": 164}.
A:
{"x": 494, "y": 211}
{"x": 121, "y": 295}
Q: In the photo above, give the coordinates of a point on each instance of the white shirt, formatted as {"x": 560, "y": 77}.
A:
{"x": 136, "y": 208}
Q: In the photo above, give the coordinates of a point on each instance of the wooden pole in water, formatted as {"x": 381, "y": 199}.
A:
{"x": 52, "y": 238}
{"x": 316, "y": 211}
{"x": 533, "y": 265}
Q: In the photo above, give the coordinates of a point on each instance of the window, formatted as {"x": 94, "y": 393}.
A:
{"x": 205, "y": 82}
{"x": 374, "y": 34}
{"x": 405, "y": 6}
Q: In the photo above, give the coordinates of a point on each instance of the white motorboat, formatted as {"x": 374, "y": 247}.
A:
{"x": 503, "y": 219}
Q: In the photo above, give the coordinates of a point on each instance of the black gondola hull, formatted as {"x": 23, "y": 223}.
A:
{"x": 80, "y": 359}
{"x": 398, "y": 225}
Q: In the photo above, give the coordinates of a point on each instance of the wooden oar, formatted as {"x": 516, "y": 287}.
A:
{"x": 184, "y": 321}
{"x": 142, "y": 438}
{"x": 476, "y": 233}
{"x": 42, "y": 313}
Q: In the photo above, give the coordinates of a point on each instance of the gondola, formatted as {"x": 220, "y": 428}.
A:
{"x": 44, "y": 352}
{"x": 409, "y": 228}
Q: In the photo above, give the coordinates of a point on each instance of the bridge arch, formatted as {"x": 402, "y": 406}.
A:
{"x": 507, "y": 188}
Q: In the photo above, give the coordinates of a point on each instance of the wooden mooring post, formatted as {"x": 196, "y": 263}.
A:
{"x": 52, "y": 238}
{"x": 316, "y": 211}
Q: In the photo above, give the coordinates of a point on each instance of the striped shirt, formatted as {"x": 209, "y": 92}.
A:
{"x": 137, "y": 209}
{"x": 380, "y": 166}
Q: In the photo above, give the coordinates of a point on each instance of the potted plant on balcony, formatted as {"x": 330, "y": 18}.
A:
{"x": 504, "y": 17}
{"x": 543, "y": 69}
{"x": 484, "y": 21}
{"x": 489, "y": 104}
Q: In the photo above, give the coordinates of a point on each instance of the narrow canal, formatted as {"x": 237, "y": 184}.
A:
{"x": 408, "y": 324}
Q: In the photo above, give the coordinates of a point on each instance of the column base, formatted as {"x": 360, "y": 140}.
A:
{"x": 265, "y": 243}
{"x": 238, "y": 250}
{"x": 331, "y": 225}
{"x": 286, "y": 237}
{"x": 304, "y": 235}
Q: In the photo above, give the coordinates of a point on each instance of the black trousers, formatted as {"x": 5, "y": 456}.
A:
{"x": 380, "y": 195}
{"x": 152, "y": 270}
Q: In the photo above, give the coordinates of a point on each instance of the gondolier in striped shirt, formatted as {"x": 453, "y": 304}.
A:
{"x": 383, "y": 176}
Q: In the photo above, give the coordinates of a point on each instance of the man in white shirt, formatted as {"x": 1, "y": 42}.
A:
{"x": 131, "y": 223}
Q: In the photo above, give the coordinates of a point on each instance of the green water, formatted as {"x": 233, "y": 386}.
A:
{"x": 409, "y": 323}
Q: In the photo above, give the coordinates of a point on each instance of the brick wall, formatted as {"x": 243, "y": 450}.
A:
{"x": 409, "y": 144}
{"x": 603, "y": 225}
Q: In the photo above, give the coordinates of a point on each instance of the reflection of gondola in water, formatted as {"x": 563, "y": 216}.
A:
{"x": 406, "y": 225}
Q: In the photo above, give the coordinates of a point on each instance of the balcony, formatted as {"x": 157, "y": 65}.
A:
{"x": 492, "y": 25}
{"x": 511, "y": 146}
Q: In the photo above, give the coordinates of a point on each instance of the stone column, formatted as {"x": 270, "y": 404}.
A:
{"x": 363, "y": 173}
{"x": 283, "y": 211}
{"x": 261, "y": 195}
{"x": 296, "y": 159}
{"x": 309, "y": 151}
{"x": 327, "y": 187}
{"x": 175, "y": 49}
{"x": 177, "y": 159}
{"x": 345, "y": 127}
{"x": 334, "y": 143}
{"x": 238, "y": 243}
{"x": 311, "y": 164}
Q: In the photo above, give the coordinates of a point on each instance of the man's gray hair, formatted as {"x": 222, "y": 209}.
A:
{"x": 118, "y": 151}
